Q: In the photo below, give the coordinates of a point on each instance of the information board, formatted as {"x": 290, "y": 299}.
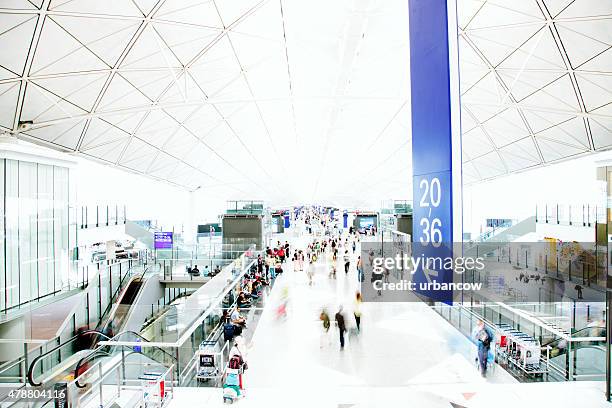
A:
{"x": 162, "y": 240}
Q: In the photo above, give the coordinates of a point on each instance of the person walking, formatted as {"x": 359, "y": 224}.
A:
{"x": 357, "y": 311}
{"x": 341, "y": 326}
{"x": 324, "y": 317}
{"x": 359, "y": 269}
{"x": 301, "y": 260}
{"x": 310, "y": 272}
{"x": 483, "y": 337}
{"x": 347, "y": 261}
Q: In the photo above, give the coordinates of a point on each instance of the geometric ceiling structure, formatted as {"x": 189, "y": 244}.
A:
{"x": 291, "y": 100}
{"x": 536, "y": 80}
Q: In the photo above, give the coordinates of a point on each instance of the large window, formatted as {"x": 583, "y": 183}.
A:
{"x": 34, "y": 224}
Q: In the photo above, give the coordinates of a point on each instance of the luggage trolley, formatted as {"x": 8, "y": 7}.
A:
{"x": 209, "y": 361}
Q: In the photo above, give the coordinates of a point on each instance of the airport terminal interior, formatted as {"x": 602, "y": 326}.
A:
{"x": 322, "y": 203}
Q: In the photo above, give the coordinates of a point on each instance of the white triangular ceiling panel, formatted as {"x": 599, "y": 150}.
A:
{"x": 195, "y": 12}
{"x": 100, "y": 132}
{"x": 601, "y": 129}
{"x": 66, "y": 135}
{"x": 41, "y": 105}
{"x": 81, "y": 90}
{"x": 59, "y": 52}
{"x": 8, "y": 103}
{"x": 106, "y": 7}
{"x": 105, "y": 37}
{"x": 15, "y": 39}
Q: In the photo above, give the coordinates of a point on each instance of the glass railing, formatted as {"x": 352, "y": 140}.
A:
{"x": 175, "y": 325}
{"x": 180, "y": 327}
{"x": 207, "y": 249}
{"x": 247, "y": 207}
{"x": 99, "y": 286}
{"x": 182, "y": 269}
{"x": 151, "y": 382}
{"x": 485, "y": 236}
{"x": 576, "y": 356}
{"x": 581, "y": 263}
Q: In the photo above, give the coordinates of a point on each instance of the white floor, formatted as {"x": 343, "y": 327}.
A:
{"x": 405, "y": 353}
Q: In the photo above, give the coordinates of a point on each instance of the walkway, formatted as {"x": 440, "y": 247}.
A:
{"x": 405, "y": 353}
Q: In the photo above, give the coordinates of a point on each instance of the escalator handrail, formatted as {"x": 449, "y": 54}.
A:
{"x": 70, "y": 340}
{"x": 573, "y": 335}
{"x": 114, "y": 338}
{"x": 120, "y": 289}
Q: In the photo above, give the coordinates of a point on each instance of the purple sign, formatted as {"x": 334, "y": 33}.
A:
{"x": 163, "y": 240}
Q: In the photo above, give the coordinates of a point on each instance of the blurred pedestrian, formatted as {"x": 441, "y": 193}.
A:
{"x": 341, "y": 326}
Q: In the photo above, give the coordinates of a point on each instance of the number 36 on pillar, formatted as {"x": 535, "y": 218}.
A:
{"x": 432, "y": 210}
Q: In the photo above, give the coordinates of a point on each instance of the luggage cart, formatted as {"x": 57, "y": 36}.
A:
{"x": 209, "y": 361}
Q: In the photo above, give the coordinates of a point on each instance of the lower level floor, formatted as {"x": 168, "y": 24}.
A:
{"x": 403, "y": 352}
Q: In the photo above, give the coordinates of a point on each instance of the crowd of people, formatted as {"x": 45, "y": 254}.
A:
{"x": 328, "y": 248}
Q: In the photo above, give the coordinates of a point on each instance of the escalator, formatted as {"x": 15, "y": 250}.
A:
{"x": 74, "y": 350}
{"x": 558, "y": 347}
{"x": 121, "y": 309}
{"x": 146, "y": 355}
{"x": 588, "y": 357}
{"x": 81, "y": 361}
{"x": 58, "y": 364}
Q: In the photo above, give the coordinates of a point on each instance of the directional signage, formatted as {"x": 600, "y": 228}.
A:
{"x": 436, "y": 140}
{"x": 162, "y": 240}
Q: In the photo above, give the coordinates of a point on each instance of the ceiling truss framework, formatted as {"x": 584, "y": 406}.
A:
{"x": 536, "y": 79}
{"x": 273, "y": 97}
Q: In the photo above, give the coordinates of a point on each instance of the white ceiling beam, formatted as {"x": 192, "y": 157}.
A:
{"x": 28, "y": 64}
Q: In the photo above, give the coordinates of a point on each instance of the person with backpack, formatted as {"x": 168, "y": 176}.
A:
{"x": 232, "y": 383}
{"x": 483, "y": 337}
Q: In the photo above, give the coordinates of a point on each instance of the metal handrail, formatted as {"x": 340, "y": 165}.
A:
{"x": 578, "y": 339}
{"x": 99, "y": 349}
{"x": 54, "y": 349}
{"x": 10, "y": 364}
{"x": 115, "y": 301}
{"x": 118, "y": 292}
{"x": 200, "y": 318}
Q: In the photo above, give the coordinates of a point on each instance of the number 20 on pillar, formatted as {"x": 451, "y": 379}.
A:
{"x": 430, "y": 224}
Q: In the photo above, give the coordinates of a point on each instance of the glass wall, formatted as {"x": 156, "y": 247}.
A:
{"x": 34, "y": 225}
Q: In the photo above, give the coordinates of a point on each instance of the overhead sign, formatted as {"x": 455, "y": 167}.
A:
{"x": 436, "y": 139}
{"x": 207, "y": 229}
{"x": 162, "y": 240}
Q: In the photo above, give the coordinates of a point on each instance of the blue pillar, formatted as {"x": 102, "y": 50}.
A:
{"x": 436, "y": 139}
